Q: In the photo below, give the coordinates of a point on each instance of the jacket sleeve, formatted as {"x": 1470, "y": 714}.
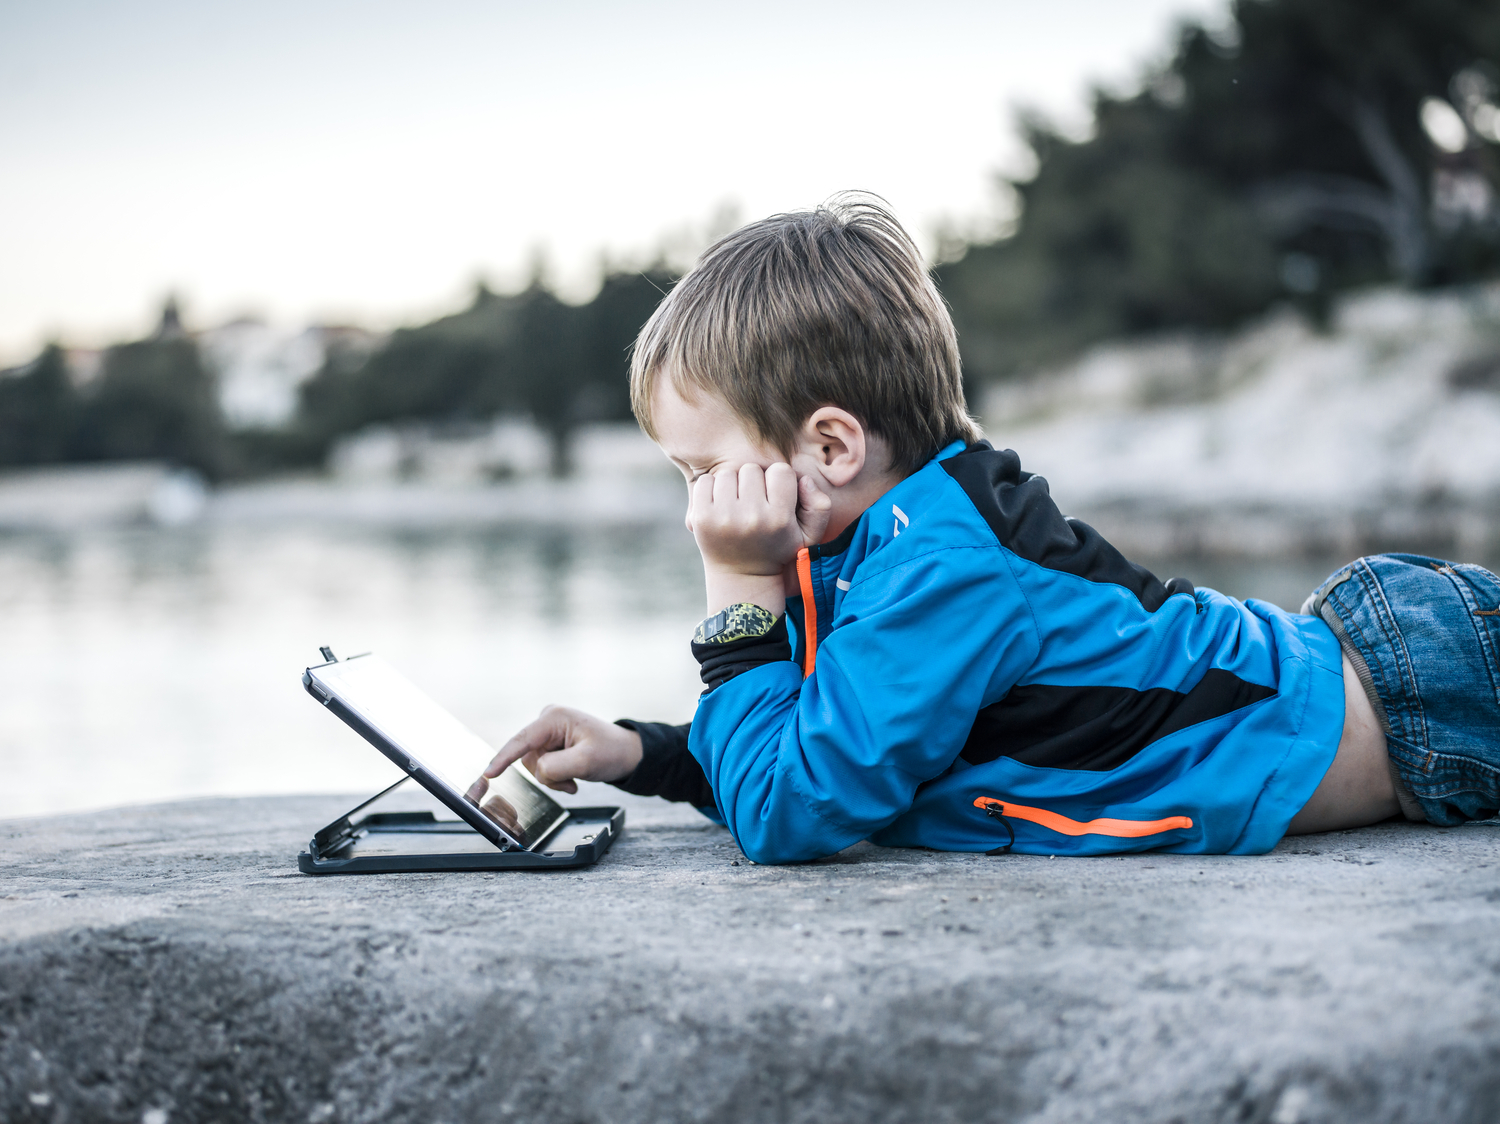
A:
{"x": 804, "y": 768}
{"x": 667, "y": 769}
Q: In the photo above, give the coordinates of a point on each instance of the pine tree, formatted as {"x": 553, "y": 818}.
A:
{"x": 1282, "y": 157}
{"x": 37, "y": 411}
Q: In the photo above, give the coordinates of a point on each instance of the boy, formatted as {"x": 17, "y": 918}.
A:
{"x": 907, "y": 642}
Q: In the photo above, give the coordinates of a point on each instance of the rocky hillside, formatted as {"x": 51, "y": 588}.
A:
{"x": 1379, "y": 431}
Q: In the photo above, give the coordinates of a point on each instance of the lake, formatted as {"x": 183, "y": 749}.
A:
{"x": 141, "y": 664}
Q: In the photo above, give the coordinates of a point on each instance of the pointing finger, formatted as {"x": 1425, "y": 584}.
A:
{"x": 549, "y": 731}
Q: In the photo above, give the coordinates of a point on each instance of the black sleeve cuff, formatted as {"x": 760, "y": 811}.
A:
{"x": 667, "y": 769}
{"x": 719, "y": 663}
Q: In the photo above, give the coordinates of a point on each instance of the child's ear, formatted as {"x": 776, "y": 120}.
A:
{"x": 836, "y": 440}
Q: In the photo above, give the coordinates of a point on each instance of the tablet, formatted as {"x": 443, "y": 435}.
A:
{"x": 433, "y": 747}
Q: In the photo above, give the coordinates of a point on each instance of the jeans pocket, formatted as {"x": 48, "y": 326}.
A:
{"x": 1458, "y": 787}
{"x": 1431, "y": 636}
{"x": 1480, "y": 591}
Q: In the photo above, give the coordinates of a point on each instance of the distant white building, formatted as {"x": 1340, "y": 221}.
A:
{"x": 441, "y": 454}
{"x": 487, "y": 452}
{"x": 260, "y": 367}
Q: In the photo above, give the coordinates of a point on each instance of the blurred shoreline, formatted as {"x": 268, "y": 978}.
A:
{"x": 591, "y": 501}
{"x": 412, "y": 477}
{"x": 83, "y": 499}
{"x": 1379, "y": 430}
{"x": 1376, "y": 431}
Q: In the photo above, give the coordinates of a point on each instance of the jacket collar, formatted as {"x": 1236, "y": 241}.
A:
{"x": 839, "y": 544}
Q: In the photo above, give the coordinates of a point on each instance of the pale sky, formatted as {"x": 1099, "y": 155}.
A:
{"x": 368, "y": 161}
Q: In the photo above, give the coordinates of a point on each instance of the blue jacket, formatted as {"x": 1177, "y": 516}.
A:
{"x": 985, "y": 667}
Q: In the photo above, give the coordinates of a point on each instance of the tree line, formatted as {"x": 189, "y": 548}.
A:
{"x": 1282, "y": 157}
{"x": 1303, "y": 148}
{"x": 154, "y": 399}
{"x": 524, "y": 353}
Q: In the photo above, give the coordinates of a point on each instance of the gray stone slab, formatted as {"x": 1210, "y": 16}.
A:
{"x": 169, "y": 963}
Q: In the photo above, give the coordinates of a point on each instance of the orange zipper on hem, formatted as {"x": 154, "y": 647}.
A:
{"x": 1120, "y": 829}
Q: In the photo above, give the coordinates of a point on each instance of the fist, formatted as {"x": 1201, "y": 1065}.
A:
{"x": 753, "y": 521}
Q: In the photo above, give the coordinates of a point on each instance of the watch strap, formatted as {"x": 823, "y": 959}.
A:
{"x": 741, "y": 621}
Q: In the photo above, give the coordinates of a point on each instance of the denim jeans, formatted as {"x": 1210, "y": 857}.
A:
{"x": 1424, "y": 638}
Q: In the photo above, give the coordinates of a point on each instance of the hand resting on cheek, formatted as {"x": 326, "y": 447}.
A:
{"x": 753, "y": 521}
{"x": 752, "y": 506}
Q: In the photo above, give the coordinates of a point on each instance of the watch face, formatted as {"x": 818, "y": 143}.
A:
{"x": 711, "y": 627}
{"x": 738, "y": 622}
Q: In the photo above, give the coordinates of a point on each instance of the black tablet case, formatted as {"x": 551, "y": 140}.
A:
{"x": 406, "y": 839}
{"x": 429, "y": 837}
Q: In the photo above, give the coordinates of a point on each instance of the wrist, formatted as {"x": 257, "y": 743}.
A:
{"x": 726, "y": 589}
{"x": 741, "y": 567}
{"x": 628, "y": 759}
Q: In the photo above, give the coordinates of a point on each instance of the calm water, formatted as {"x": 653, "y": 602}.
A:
{"x": 149, "y": 664}
{"x": 141, "y": 665}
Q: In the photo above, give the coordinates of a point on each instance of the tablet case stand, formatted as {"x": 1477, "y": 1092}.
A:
{"x": 416, "y": 839}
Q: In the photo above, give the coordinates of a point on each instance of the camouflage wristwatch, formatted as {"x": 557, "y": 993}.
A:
{"x": 743, "y": 621}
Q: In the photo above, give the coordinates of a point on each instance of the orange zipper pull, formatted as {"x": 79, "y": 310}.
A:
{"x": 809, "y": 610}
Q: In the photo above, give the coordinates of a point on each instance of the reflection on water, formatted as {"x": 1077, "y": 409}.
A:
{"x": 144, "y": 664}
{"x": 147, "y": 664}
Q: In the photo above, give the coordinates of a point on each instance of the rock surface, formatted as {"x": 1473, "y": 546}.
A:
{"x": 169, "y": 964}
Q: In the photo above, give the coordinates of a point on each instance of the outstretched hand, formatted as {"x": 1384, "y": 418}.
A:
{"x": 565, "y": 745}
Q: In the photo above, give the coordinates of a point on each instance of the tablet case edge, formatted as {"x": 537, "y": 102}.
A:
{"x": 311, "y": 861}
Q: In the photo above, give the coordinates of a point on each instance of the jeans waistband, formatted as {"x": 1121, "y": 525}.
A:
{"x": 1317, "y": 605}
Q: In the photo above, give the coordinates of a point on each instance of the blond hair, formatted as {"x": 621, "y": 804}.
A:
{"x": 809, "y": 309}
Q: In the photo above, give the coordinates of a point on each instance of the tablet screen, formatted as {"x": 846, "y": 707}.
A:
{"x": 423, "y": 730}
